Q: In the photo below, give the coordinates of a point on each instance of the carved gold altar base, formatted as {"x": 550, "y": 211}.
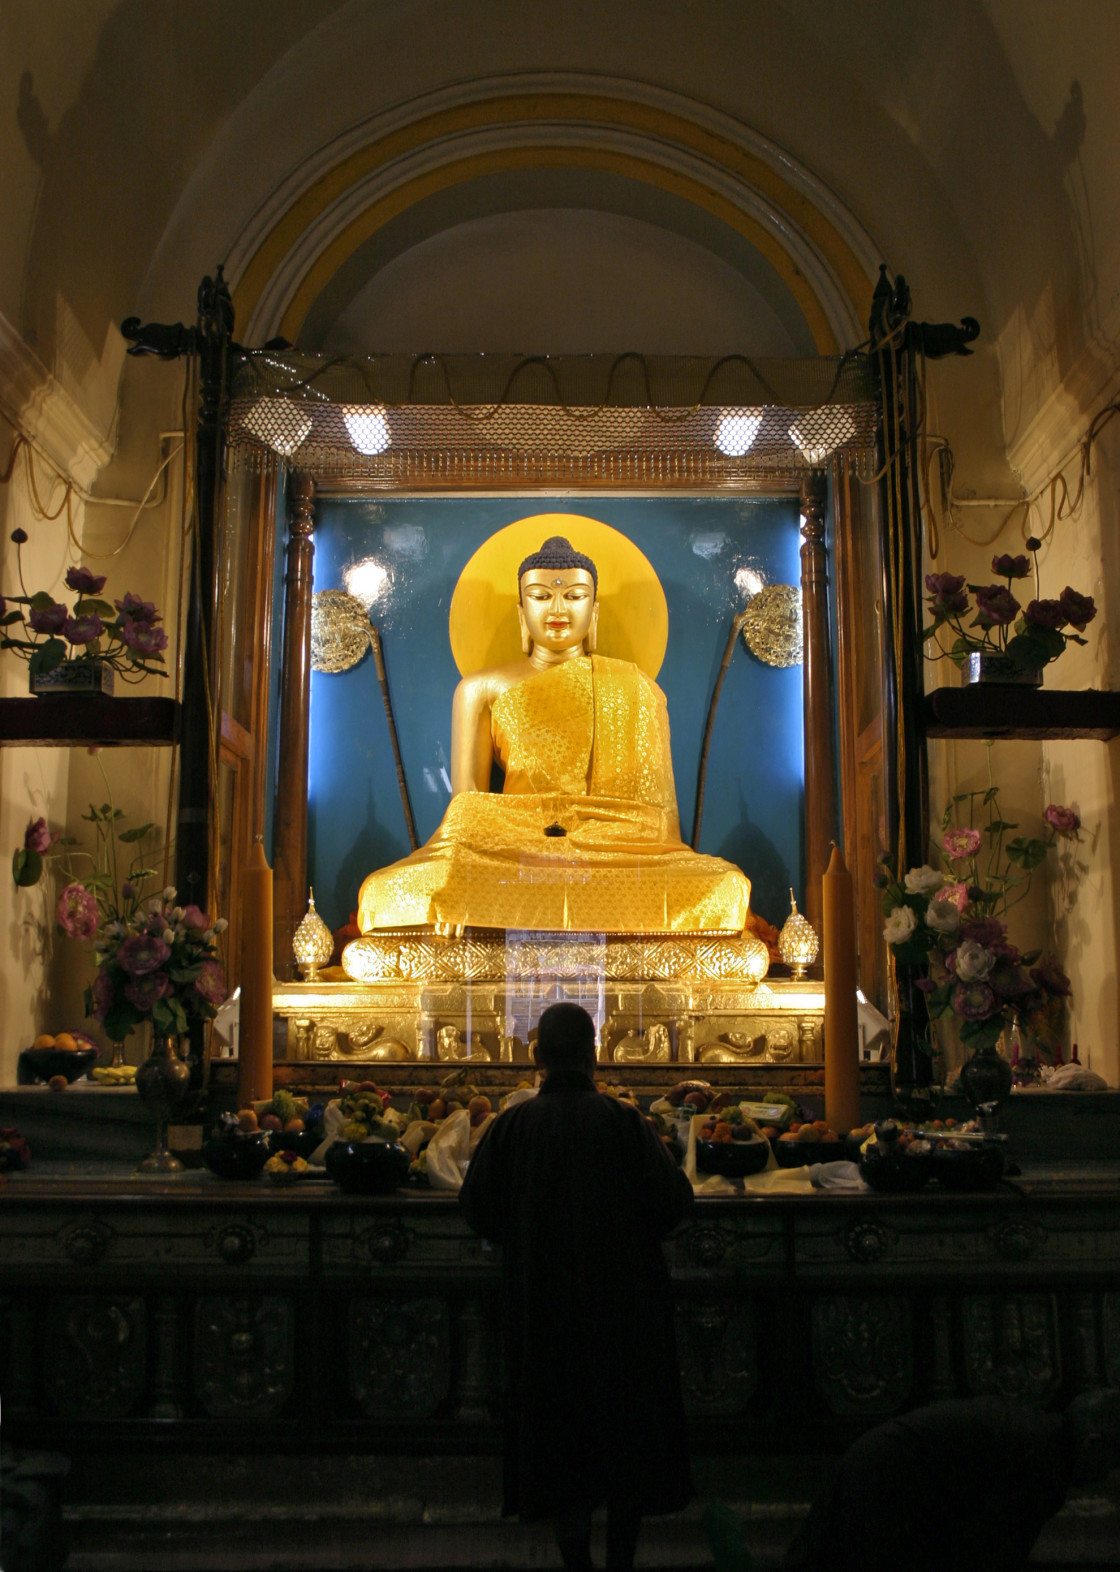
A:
{"x": 657, "y": 1000}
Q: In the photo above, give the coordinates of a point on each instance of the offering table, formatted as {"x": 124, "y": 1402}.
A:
{"x": 176, "y": 1338}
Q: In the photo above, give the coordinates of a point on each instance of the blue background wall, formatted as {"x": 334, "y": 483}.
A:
{"x": 755, "y": 784}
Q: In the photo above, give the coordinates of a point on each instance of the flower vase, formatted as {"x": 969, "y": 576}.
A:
{"x": 74, "y": 677}
{"x": 164, "y": 1084}
{"x": 912, "y": 1080}
{"x": 118, "y": 1055}
{"x": 986, "y": 1078}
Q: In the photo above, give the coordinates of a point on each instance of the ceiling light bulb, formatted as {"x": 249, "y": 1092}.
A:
{"x": 368, "y": 427}
{"x": 737, "y": 430}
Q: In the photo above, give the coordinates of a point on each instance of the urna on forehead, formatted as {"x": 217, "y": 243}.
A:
{"x": 560, "y": 555}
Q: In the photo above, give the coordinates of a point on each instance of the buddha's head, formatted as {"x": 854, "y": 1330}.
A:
{"x": 557, "y": 606}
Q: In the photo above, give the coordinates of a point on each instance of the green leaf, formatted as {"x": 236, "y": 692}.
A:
{"x": 947, "y": 817}
{"x": 27, "y": 867}
{"x": 982, "y": 1034}
{"x": 138, "y": 834}
{"x": 990, "y": 795}
{"x": 10, "y": 617}
{"x": 95, "y": 608}
{"x": 184, "y": 974}
{"x": 47, "y": 656}
{"x": 1029, "y": 652}
{"x": 1026, "y": 853}
{"x": 998, "y": 825}
{"x": 41, "y": 600}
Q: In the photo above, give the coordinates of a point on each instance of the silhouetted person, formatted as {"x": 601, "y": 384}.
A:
{"x": 966, "y": 1482}
{"x": 578, "y": 1191}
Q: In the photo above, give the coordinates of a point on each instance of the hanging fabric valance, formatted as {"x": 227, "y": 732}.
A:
{"x": 395, "y": 420}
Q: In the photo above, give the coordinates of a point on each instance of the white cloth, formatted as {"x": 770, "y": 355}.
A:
{"x": 1074, "y": 1078}
{"x": 450, "y": 1149}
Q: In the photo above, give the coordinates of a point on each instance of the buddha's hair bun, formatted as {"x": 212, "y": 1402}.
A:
{"x": 557, "y": 552}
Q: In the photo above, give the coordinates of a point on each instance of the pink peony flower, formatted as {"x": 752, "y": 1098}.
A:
{"x": 984, "y": 930}
{"x": 37, "y": 837}
{"x": 961, "y": 843}
{"x": 995, "y": 606}
{"x": 1009, "y": 567}
{"x": 83, "y": 630}
{"x": 139, "y": 610}
{"x": 85, "y": 582}
{"x": 48, "y": 619}
{"x": 1065, "y": 820}
{"x": 143, "y": 953}
{"x": 1046, "y": 614}
{"x": 193, "y": 917}
{"x": 974, "y": 1003}
{"x": 77, "y": 912}
{"x": 143, "y": 637}
{"x": 102, "y": 991}
{"x": 1079, "y": 609}
{"x": 211, "y": 983}
{"x": 143, "y": 992}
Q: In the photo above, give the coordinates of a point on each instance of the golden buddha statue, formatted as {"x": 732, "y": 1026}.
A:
{"x": 585, "y": 834}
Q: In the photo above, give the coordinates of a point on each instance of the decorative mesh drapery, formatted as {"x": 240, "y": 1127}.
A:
{"x": 398, "y": 420}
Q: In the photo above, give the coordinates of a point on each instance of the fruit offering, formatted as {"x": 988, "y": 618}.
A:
{"x": 113, "y": 1074}
{"x": 284, "y": 1167}
{"x": 810, "y": 1130}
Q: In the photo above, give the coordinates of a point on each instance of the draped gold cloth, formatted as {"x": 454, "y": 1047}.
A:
{"x": 584, "y": 746}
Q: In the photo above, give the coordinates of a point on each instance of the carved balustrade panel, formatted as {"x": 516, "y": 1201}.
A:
{"x": 399, "y": 1354}
{"x": 862, "y": 1352}
{"x": 244, "y": 1355}
{"x": 1011, "y": 1345}
{"x": 94, "y": 1355}
{"x": 1110, "y": 1338}
{"x": 718, "y": 1354}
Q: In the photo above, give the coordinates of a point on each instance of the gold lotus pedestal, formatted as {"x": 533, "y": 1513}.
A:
{"x": 686, "y": 999}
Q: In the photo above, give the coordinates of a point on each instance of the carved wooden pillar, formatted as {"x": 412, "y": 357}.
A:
{"x": 289, "y": 853}
{"x": 820, "y": 773}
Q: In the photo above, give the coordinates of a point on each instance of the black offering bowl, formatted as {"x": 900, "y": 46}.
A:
{"x": 895, "y": 1171}
{"x": 733, "y": 1159}
{"x": 45, "y": 1063}
{"x": 236, "y": 1154}
{"x": 979, "y": 1166}
{"x": 301, "y": 1142}
{"x": 367, "y": 1167}
{"x": 799, "y": 1154}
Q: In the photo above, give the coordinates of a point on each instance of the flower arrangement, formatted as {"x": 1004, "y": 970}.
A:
{"x": 45, "y": 632}
{"x": 948, "y": 923}
{"x": 1030, "y": 637}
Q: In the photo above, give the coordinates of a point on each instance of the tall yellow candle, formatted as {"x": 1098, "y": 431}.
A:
{"x": 255, "y": 1036}
{"x": 841, "y": 1024}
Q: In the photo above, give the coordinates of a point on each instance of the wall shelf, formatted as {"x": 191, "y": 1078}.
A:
{"x": 88, "y": 720}
{"x": 989, "y": 710}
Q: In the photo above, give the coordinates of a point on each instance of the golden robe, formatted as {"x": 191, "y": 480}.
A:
{"x": 584, "y": 745}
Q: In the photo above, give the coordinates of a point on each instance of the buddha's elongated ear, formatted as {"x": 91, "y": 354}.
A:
{"x": 592, "y": 638}
{"x": 526, "y": 641}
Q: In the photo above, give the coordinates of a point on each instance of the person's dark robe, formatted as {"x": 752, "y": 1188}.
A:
{"x": 967, "y": 1482}
{"x": 578, "y": 1191}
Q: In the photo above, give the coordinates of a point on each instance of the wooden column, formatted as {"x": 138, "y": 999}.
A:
{"x": 820, "y": 773}
{"x": 290, "y": 828}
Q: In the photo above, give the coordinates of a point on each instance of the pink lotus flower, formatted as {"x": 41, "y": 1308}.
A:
{"x": 37, "y": 837}
{"x": 1046, "y": 614}
{"x": 211, "y": 983}
{"x": 143, "y": 638}
{"x": 85, "y": 582}
{"x": 957, "y": 893}
{"x": 1079, "y": 609}
{"x": 48, "y": 619}
{"x": 995, "y": 606}
{"x": 77, "y": 912}
{"x": 974, "y": 1003}
{"x": 143, "y": 992}
{"x": 1065, "y": 820}
{"x": 194, "y": 917}
{"x": 1009, "y": 567}
{"x": 136, "y": 608}
{"x": 143, "y": 953}
{"x": 102, "y": 992}
{"x": 960, "y": 843}
{"x": 83, "y": 630}
{"x": 987, "y": 931}
{"x": 946, "y": 592}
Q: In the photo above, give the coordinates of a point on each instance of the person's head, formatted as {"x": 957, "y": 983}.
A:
{"x": 565, "y": 1040}
{"x": 1094, "y": 1427}
{"x": 557, "y": 605}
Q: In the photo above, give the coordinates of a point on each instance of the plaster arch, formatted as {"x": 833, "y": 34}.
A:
{"x": 335, "y": 205}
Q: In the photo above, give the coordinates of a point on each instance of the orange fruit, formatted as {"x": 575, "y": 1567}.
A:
{"x": 294, "y": 1123}
{"x": 247, "y": 1118}
{"x": 44, "y": 1040}
{"x": 64, "y": 1040}
{"x": 57, "y": 1083}
{"x": 808, "y": 1132}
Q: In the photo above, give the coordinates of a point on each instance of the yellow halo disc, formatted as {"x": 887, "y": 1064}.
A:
{"x": 633, "y": 613}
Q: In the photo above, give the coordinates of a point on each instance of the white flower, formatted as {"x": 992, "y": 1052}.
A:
{"x": 221, "y": 925}
{"x": 900, "y": 925}
{"x": 943, "y": 917}
{"x": 168, "y": 894}
{"x": 973, "y": 961}
{"x": 168, "y": 935}
{"x": 177, "y": 914}
{"x": 208, "y": 936}
{"x": 924, "y": 880}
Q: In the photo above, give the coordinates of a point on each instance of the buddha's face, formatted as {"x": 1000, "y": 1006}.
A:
{"x": 558, "y": 608}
